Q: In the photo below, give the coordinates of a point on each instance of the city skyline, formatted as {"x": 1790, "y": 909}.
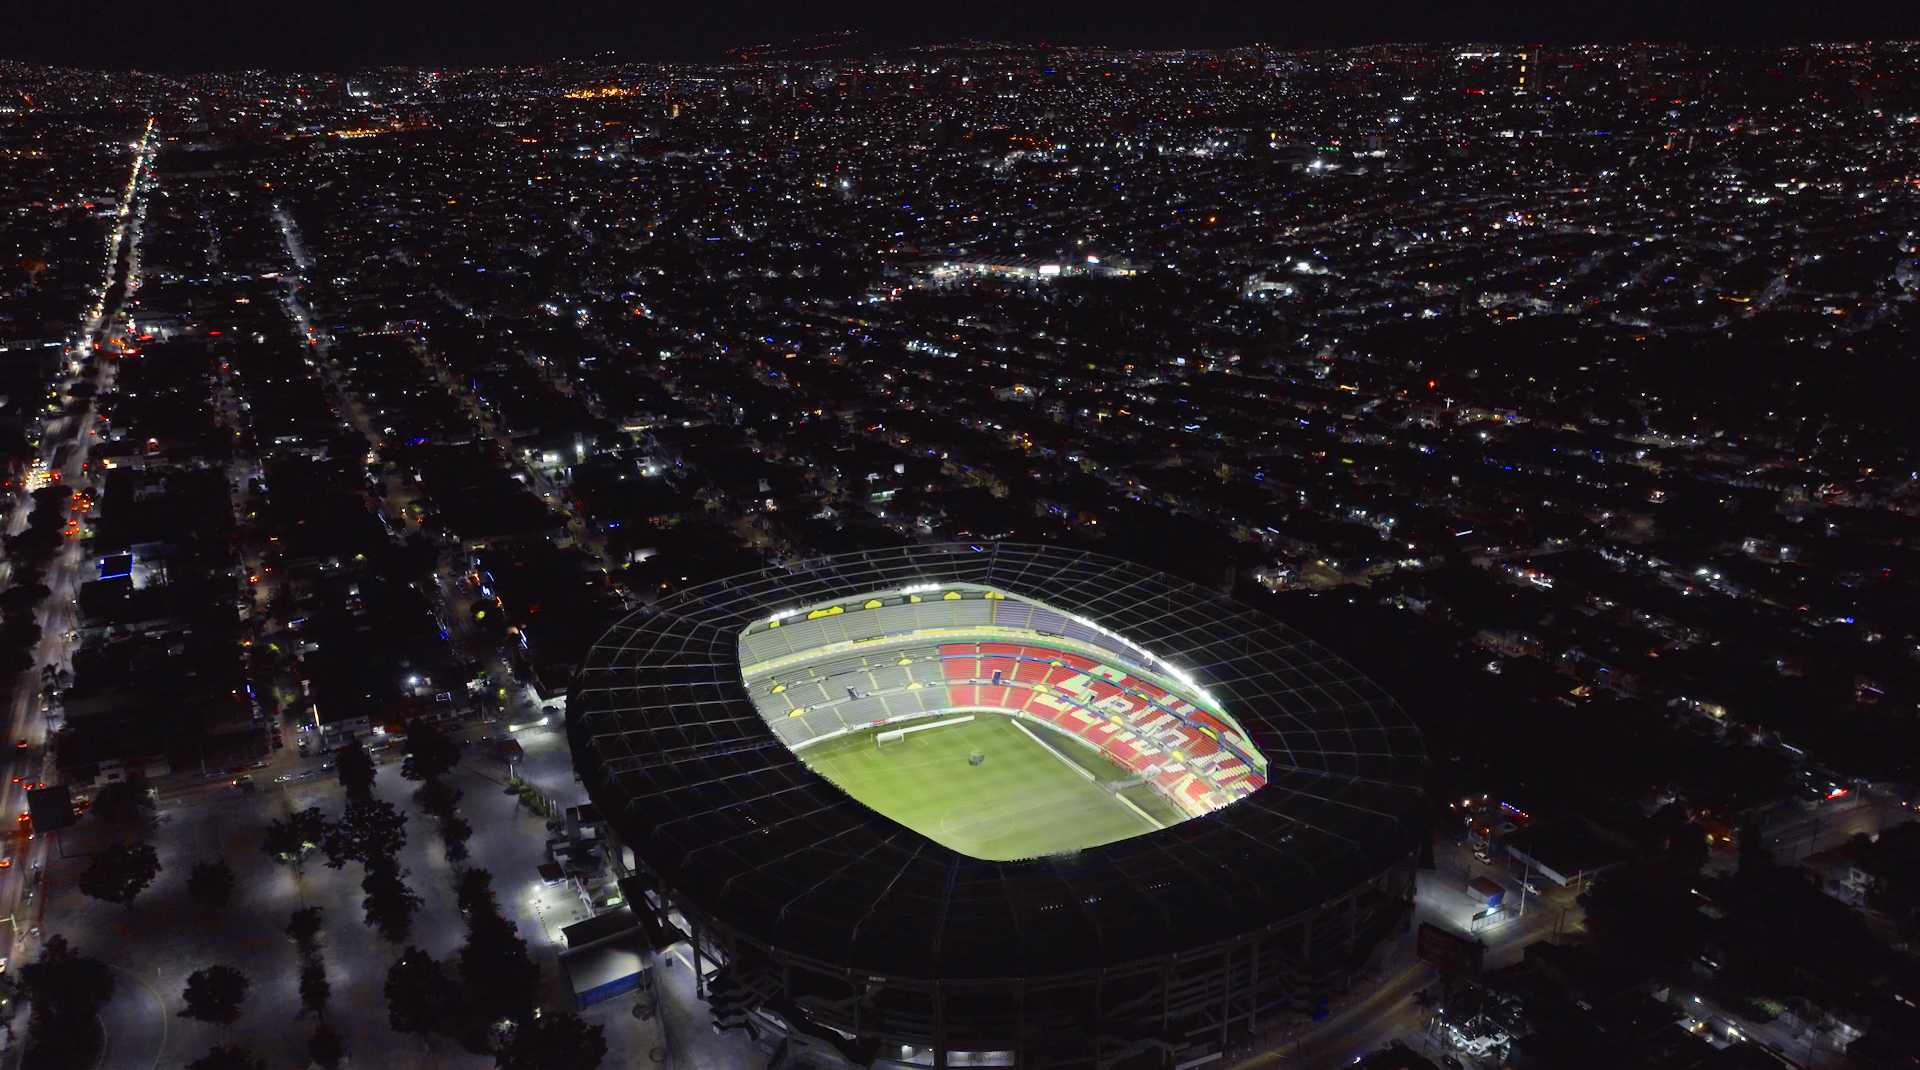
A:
{"x": 178, "y": 36}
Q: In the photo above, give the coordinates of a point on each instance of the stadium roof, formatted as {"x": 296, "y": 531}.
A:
{"x": 675, "y": 753}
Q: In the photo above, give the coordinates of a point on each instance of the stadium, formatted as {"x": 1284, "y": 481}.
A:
{"x": 998, "y": 804}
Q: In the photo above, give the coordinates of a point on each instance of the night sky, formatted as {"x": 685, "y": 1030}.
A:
{"x": 345, "y": 34}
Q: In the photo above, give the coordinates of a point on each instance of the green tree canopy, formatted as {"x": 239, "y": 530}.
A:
{"x": 418, "y": 993}
{"x": 355, "y": 770}
{"x": 429, "y": 753}
{"x": 214, "y": 994}
{"x": 66, "y": 990}
{"x": 211, "y": 883}
{"x": 292, "y": 838}
{"x": 120, "y": 873}
{"x": 552, "y": 1040}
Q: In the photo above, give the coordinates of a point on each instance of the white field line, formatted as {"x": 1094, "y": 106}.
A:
{"x": 1064, "y": 760}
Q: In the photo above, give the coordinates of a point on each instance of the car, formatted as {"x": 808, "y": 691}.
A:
{"x": 244, "y": 782}
{"x": 6, "y": 862}
{"x": 22, "y": 745}
{"x": 1481, "y": 854}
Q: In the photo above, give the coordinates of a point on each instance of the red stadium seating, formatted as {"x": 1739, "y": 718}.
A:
{"x": 1157, "y": 722}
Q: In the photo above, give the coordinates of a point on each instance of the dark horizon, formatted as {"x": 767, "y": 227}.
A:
{"x": 357, "y": 34}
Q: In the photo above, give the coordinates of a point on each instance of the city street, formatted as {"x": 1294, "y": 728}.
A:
{"x": 25, "y": 721}
{"x": 1798, "y": 834}
{"x": 1382, "y": 1008}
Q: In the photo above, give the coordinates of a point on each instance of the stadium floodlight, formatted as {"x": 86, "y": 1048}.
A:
{"x": 1186, "y": 680}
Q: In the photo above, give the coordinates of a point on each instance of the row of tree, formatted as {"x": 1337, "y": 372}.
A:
{"x": 66, "y": 990}
{"x": 369, "y": 832}
{"x": 485, "y": 997}
{"x": 428, "y": 756}
{"x": 325, "y": 1047}
{"x": 30, "y": 551}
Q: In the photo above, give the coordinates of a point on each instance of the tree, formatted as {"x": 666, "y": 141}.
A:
{"x": 389, "y": 903}
{"x": 437, "y": 798}
{"x": 125, "y": 807}
{"x": 228, "y": 1058}
{"x": 304, "y": 927}
{"x": 292, "y": 838}
{"x": 120, "y": 872}
{"x": 21, "y": 600}
{"x": 1646, "y": 911}
{"x": 14, "y": 658}
{"x": 66, "y": 990}
{"x": 417, "y": 993}
{"x": 369, "y": 830}
{"x": 473, "y": 892}
{"x": 355, "y": 770}
{"x": 1669, "y": 834}
{"x": 211, "y": 883}
{"x": 429, "y": 753}
{"x": 502, "y": 981}
{"x": 214, "y": 994}
{"x": 552, "y": 1040}
{"x": 315, "y": 989}
{"x": 454, "y": 833}
{"x": 18, "y": 631}
{"x": 325, "y": 1047}
{"x": 1894, "y": 861}
{"x": 1756, "y": 858}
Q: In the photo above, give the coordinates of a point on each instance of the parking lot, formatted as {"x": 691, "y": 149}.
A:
{"x": 153, "y": 945}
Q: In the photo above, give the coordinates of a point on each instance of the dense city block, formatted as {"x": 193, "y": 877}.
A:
{"x": 1564, "y": 392}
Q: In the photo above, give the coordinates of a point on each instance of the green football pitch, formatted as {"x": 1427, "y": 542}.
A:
{"x": 1022, "y": 802}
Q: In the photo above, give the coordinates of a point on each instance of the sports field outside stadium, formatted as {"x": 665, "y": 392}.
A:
{"x": 1024, "y": 800}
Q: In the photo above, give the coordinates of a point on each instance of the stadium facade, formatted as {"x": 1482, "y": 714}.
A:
{"x": 811, "y": 913}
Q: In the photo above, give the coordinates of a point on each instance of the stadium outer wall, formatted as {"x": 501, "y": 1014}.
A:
{"x": 661, "y": 738}
{"x": 1156, "y": 1012}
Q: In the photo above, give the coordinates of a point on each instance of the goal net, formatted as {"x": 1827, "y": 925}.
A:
{"x": 895, "y": 736}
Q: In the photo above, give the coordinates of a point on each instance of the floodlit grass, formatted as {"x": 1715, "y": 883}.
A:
{"x": 1022, "y": 802}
